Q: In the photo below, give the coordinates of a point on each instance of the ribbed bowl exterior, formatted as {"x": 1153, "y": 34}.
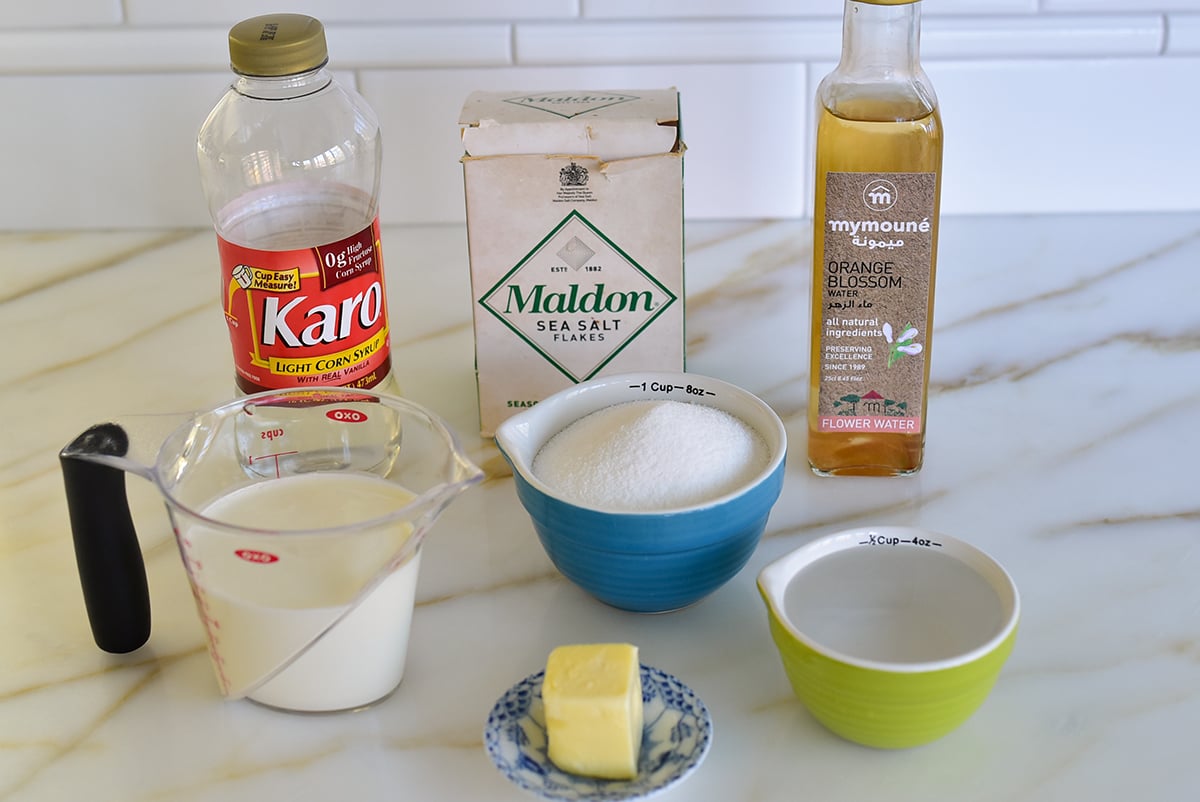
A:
{"x": 887, "y": 709}
{"x": 652, "y": 562}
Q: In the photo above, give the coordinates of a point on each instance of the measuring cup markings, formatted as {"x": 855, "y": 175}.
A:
{"x": 212, "y": 629}
{"x": 669, "y": 388}
{"x": 212, "y": 626}
{"x": 872, "y": 539}
{"x": 278, "y": 471}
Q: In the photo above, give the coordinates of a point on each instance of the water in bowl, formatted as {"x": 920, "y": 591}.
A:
{"x": 894, "y": 604}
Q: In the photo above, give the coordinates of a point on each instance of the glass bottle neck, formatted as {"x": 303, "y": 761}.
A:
{"x": 879, "y": 76}
{"x": 284, "y": 87}
{"x": 881, "y": 41}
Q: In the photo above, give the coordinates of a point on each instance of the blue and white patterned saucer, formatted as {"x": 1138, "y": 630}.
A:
{"x": 676, "y": 738}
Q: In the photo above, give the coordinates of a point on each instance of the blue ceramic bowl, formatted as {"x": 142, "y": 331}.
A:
{"x": 646, "y": 562}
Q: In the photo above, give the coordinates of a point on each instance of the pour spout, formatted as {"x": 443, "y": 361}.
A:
{"x": 464, "y": 475}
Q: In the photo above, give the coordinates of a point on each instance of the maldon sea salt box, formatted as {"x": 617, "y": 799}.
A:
{"x": 575, "y": 227}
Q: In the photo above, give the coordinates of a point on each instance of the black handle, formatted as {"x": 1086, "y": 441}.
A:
{"x": 110, "y": 563}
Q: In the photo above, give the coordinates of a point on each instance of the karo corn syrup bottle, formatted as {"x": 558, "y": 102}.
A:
{"x": 290, "y": 165}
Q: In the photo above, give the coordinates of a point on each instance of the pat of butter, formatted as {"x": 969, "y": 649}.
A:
{"x": 592, "y": 697}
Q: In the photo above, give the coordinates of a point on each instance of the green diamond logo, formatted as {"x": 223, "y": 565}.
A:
{"x": 577, "y": 299}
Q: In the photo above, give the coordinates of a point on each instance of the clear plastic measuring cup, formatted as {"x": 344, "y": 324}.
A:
{"x": 299, "y": 516}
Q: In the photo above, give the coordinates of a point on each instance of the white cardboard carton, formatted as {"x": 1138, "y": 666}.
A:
{"x": 575, "y": 227}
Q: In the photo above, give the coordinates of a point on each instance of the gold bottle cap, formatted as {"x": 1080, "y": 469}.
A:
{"x": 277, "y": 44}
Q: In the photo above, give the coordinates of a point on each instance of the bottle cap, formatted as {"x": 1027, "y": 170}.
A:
{"x": 277, "y": 44}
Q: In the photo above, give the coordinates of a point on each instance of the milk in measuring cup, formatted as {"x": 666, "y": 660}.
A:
{"x": 264, "y": 601}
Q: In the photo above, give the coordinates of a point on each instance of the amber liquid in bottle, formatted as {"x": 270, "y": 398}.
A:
{"x": 863, "y": 135}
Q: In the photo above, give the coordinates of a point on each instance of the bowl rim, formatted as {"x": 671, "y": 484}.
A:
{"x": 774, "y": 579}
{"x": 513, "y": 434}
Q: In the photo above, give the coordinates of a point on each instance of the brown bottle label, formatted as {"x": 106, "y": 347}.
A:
{"x": 875, "y": 279}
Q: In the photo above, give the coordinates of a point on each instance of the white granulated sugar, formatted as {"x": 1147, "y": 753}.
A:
{"x": 642, "y": 456}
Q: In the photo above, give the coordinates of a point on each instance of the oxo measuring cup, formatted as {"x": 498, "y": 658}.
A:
{"x": 299, "y": 516}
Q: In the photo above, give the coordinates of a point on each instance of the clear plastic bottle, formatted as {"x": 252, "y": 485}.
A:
{"x": 290, "y": 165}
{"x": 875, "y": 226}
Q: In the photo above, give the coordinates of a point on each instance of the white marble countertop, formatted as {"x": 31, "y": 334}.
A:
{"x": 1062, "y": 439}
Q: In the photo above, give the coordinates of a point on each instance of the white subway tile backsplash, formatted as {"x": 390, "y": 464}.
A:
{"x": 473, "y": 45}
{"x": 227, "y": 12}
{"x": 112, "y": 50}
{"x": 151, "y": 50}
{"x": 684, "y": 9}
{"x": 939, "y": 7}
{"x": 103, "y": 97}
{"x": 1037, "y": 37}
{"x": 1137, "y": 6}
{"x": 744, "y": 125}
{"x": 61, "y": 14}
{"x": 103, "y": 151}
{"x": 1047, "y": 136}
{"x": 1057, "y": 136}
{"x": 1183, "y": 35}
{"x": 481, "y": 44}
{"x": 1022, "y": 137}
{"x": 679, "y": 41}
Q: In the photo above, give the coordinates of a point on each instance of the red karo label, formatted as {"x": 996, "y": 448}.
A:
{"x": 316, "y": 316}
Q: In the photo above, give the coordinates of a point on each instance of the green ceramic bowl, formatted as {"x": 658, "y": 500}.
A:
{"x": 891, "y": 636}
